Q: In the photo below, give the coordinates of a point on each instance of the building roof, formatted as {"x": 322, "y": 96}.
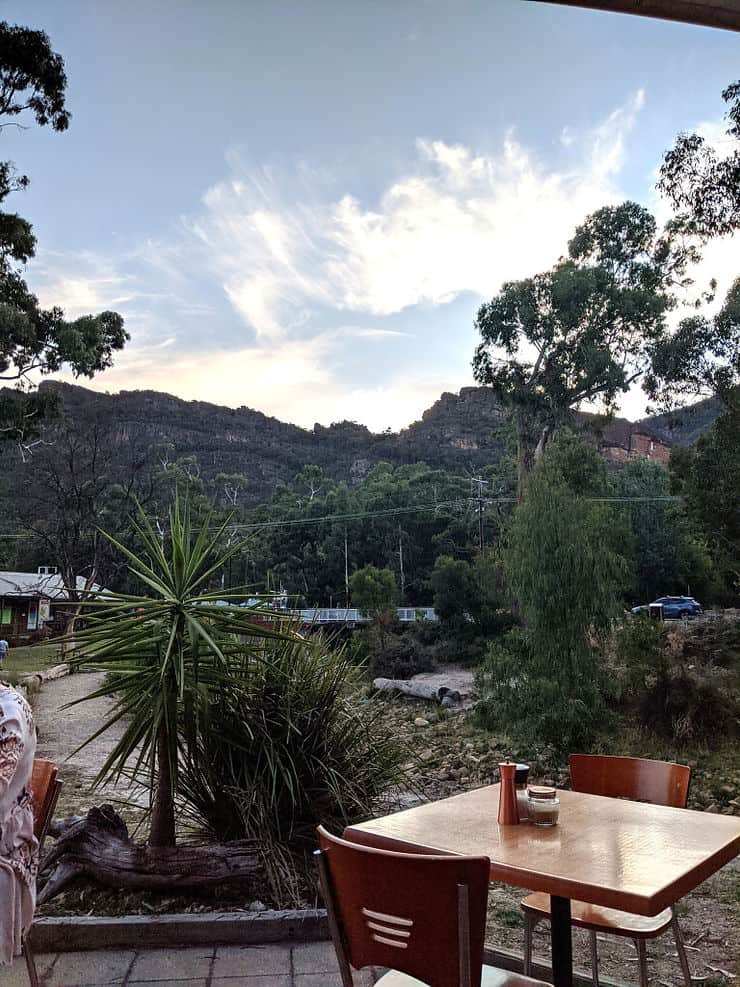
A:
{"x": 32, "y": 584}
{"x": 711, "y": 13}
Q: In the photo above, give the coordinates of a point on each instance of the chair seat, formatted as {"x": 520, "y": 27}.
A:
{"x": 585, "y": 916}
{"x": 491, "y": 976}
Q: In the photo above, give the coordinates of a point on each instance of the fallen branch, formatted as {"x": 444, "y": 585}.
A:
{"x": 97, "y": 846}
{"x": 420, "y": 690}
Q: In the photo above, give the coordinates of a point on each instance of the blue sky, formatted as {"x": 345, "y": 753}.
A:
{"x": 298, "y": 207}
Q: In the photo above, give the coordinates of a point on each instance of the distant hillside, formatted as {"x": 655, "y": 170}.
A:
{"x": 459, "y": 432}
{"x": 683, "y": 428}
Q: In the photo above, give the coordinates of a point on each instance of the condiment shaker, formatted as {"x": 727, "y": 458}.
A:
{"x": 508, "y": 814}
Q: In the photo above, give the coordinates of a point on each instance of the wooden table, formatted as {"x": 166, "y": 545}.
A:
{"x": 632, "y": 856}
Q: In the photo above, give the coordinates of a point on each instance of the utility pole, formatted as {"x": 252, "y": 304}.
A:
{"x": 400, "y": 560}
{"x": 479, "y": 497}
{"x": 346, "y": 570}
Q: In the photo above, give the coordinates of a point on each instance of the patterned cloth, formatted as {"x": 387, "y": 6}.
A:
{"x": 18, "y": 846}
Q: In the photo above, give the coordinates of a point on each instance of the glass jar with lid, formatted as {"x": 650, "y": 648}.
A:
{"x": 543, "y": 805}
{"x": 520, "y": 783}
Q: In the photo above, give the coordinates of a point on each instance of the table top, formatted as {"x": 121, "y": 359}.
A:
{"x": 633, "y": 856}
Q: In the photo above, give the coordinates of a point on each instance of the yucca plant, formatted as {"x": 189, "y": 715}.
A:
{"x": 171, "y": 650}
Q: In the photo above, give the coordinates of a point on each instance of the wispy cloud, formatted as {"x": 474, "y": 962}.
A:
{"x": 456, "y": 221}
{"x": 316, "y": 283}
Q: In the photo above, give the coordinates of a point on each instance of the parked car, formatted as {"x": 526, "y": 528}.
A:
{"x": 674, "y": 607}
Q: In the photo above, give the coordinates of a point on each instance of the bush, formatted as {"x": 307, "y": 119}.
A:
{"x": 289, "y": 744}
{"x": 398, "y": 656}
{"x": 673, "y": 691}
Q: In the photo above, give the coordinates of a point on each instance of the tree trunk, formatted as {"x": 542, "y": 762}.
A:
{"x": 540, "y": 450}
{"x": 97, "y": 846}
{"x": 162, "y": 828}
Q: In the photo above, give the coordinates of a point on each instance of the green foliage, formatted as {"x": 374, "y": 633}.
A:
{"x": 681, "y": 697}
{"x": 373, "y": 590}
{"x": 182, "y": 642}
{"x": 290, "y": 743}
{"x": 702, "y": 184}
{"x": 470, "y": 597}
{"x": 670, "y": 555}
{"x": 703, "y": 354}
{"x": 32, "y": 79}
{"x": 707, "y": 476}
{"x": 566, "y": 564}
{"x": 396, "y": 653}
{"x": 590, "y": 324}
{"x": 452, "y": 583}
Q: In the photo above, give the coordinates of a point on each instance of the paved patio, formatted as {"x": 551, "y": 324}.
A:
{"x": 277, "y": 965}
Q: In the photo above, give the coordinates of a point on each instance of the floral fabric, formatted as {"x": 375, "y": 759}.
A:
{"x": 18, "y": 846}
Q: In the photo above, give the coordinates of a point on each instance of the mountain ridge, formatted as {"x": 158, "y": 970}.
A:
{"x": 459, "y": 432}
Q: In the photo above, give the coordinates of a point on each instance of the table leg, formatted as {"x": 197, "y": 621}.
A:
{"x": 561, "y": 940}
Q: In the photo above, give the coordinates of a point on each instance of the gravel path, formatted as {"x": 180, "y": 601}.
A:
{"x": 61, "y": 731}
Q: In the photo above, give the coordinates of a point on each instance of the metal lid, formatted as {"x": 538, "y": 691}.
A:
{"x": 541, "y": 792}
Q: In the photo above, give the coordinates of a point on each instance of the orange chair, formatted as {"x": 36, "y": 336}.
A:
{"x": 45, "y": 788}
{"x": 658, "y": 782}
{"x": 396, "y": 910}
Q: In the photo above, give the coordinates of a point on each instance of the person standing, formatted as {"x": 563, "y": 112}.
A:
{"x": 18, "y": 845}
{"x": 3, "y": 651}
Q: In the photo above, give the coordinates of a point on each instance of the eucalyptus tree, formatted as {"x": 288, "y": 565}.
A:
{"x": 584, "y": 331}
{"x": 702, "y": 182}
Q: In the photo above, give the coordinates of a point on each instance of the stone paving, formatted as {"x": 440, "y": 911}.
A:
{"x": 276, "y": 965}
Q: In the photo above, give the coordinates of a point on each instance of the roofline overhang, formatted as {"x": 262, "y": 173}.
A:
{"x": 707, "y": 13}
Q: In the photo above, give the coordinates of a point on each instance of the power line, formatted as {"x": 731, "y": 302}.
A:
{"x": 396, "y": 511}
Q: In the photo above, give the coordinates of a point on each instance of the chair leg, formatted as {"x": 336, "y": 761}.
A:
{"x": 594, "y": 957}
{"x": 680, "y": 948}
{"x": 530, "y": 922}
{"x": 642, "y": 957}
{"x": 33, "y": 977}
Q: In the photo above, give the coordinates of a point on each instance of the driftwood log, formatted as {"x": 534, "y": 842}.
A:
{"x": 98, "y": 846}
{"x": 421, "y": 690}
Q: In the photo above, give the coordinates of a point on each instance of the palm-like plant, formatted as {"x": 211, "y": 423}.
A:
{"x": 170, "y": 649}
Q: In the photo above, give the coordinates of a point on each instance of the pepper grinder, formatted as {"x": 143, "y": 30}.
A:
{"x": 508, "y": 813}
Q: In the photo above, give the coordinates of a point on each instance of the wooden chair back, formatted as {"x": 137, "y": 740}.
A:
{"x": 45, "y": 789}
{"x": 421, "y": 914}
{"x": 638, "y": 778}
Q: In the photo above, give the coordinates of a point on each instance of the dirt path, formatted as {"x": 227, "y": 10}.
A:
{"x": 61, "y": 731}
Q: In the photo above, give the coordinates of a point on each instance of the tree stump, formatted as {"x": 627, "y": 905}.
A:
{"x": 98, "y": 846}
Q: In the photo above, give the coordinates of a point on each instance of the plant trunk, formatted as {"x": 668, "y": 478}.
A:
{"x": 98, "y": 847}
{"x": 162, "y": 829}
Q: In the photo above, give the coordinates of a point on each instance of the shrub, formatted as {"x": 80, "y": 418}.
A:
{"x": 398, "y": 656}
{"x": 673, "y": 691}
{"x": 290, "y": 743}
{"x": 683, "y": 706}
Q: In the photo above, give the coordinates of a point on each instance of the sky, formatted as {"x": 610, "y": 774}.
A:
{"x": 299, "y": 206}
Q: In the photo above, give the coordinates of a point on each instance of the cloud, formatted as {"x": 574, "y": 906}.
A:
{"x": 315, "y": 282}
{"x": 457, "y": 221}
